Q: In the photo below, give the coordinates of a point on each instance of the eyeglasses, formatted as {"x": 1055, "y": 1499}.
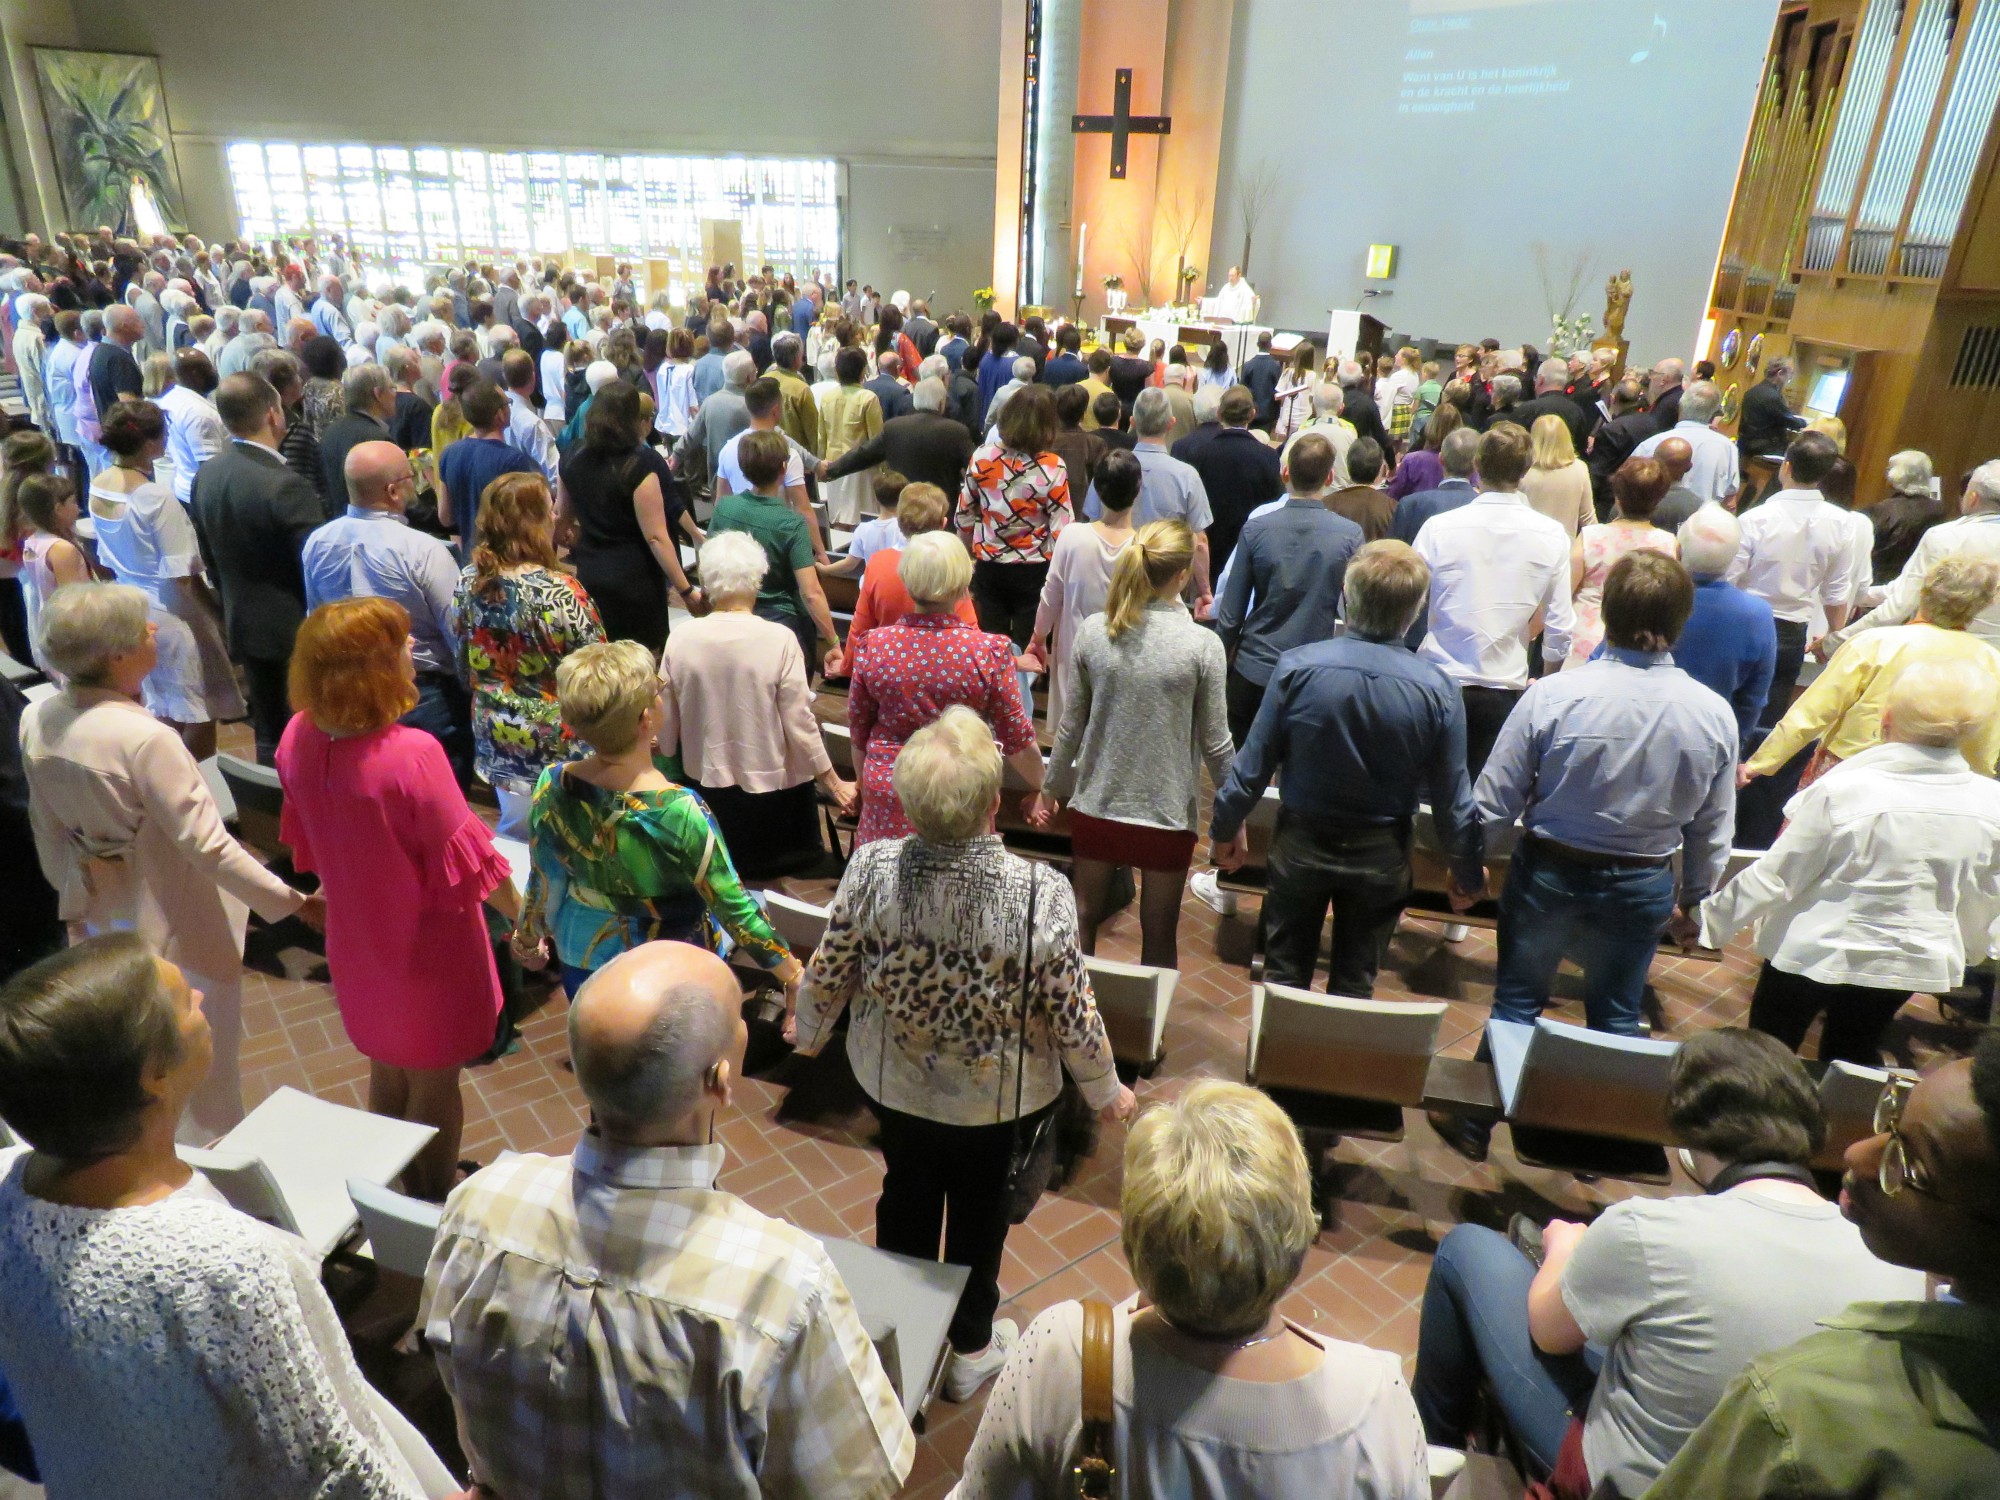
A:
{"x": 1898, "y": 1169}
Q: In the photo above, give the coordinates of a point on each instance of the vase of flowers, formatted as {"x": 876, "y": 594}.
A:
{"x": 983, "y": 298}
{"x": 1569, "y": 336}
{"x": 1114, "y": 292}
{"x": 1189, "y": 276}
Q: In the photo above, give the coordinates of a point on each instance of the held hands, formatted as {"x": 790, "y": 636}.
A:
{"x": 1232, "y": 854}
{"x": 312, "y": 912}
{"x": 1204, "y": 607}
{"x": 532, "y": 957}
{"x": 846, "y": 797}
{"x": 1040, "y": 808}
{"x": 1684, "y": 928}
{"x": 1820, "y": 650}
{"x": 1034, "y": 659}
{"x": 1744, "y": 775}
{"x": 834, "y": 663}
{"x": 1461, "y": 898}
{"x": 1123, "y": 1107}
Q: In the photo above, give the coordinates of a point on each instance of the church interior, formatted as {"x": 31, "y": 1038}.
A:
{"x": 1661, "y": 1125}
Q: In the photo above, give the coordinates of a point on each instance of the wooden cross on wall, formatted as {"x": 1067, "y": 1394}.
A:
{"x": 1121, "y": 123}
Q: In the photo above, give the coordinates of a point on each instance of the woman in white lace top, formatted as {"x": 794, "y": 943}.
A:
{"x": 157, "y": 1341}
{"x": 1215, "y": 1393}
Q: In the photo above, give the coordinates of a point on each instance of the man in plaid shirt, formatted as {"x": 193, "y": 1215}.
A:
{"x": 611, "y": 1325}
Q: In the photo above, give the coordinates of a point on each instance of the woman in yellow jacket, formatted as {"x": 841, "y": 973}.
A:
{"x": 1843, "y": 707}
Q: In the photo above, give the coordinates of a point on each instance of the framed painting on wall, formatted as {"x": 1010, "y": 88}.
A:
{"x": 114, "y": 152}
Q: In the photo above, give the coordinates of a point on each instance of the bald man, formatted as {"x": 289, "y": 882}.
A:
{"x": 610, "y": 1323}
{"x": 372, "y": 551}
{"x": 1676, "y": 456}
{"x": 114, "y": 371}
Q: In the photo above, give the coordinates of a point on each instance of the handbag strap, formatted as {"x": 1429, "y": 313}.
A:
{"x": 1027, "y": 998}
{"x": 1094, "y": 1471}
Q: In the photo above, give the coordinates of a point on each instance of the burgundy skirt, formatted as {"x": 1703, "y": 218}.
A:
{"x": 1112, "y": 843}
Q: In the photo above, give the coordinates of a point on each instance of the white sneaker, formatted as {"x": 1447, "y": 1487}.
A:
{"x": 1206, "y": 886}
{"x": 1454, "y": 932}
{"x": 968, "y": 1372}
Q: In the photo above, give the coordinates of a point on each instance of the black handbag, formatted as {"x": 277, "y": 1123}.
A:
{"x": 1031, "y": 1162}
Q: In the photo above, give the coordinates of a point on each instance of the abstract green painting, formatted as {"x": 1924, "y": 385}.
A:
{"x": 114, "y": 152}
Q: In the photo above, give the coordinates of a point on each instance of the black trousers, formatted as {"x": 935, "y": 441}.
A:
{"x": 1784, "y": 1005}
{"x": 1785, "y": 677}
{"x": 1363, "y": 873}
{"x": 1486, "y": 709}
{"x": 1241, "y": 698}
{"x": 444, "y": 712}
{"x": 1006, "y": 596}
{"x": 950, "y": 1179}
{"x": 270, "y": 704}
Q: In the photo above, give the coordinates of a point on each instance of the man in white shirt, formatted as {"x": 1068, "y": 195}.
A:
{"x": 1715, "y": 475}
{"x": 1237, "y": 300}
{"x": 1499, "y": 571}
{"x": 526, "y": 431}
{"x": 1797, "y": 552}
{"x": 195, "y": 433}
{"x": 1975, "y": 534}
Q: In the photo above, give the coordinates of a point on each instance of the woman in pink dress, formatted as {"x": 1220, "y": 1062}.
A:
{"x": 371, "y": 807}
{"x": 904, "y": 675}
{"x": 1638, "y": 486}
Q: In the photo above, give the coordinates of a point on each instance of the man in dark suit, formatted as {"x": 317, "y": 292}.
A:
{"x": 1207, "y": 423}
{"x": 1615, "y": 438}
{"x": 924, "y": 444}
{"x": 527, "y": 330}
{"x": 888, "y": 389}
{"x": 1239, "y": 470}
{"x": 921, "y": 330}
{"x": 1668, "y": 380}
{"x": 1358, "y": 408}
{"x": 1261, "y": 372}
{"x": 252, "y": 515}
{"x": 369, "y": 392}
{"x": 1550, "y": 400}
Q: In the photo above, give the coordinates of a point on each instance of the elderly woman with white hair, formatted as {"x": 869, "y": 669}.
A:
{"x": 969, "y": 998}
{"x": 903, "y": 675}
{"x": 1845, "y": 708}
{"x": 737, "y": 719}
{"x": 1886, "y": 879}
{"x": 126, "y": 829}
{"x": 1901, "y": 519}
{"x": 1214, "y": 1391}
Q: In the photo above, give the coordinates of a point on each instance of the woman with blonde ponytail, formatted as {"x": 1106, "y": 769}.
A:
{"x": 1145, "y": 712}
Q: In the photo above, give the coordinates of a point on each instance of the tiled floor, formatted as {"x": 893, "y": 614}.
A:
{"x": 1361, "y": 1282}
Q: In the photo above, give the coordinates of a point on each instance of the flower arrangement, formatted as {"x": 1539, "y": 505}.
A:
{"x": 983, "y": 298}
{"x": 1569, "y": 336}
{"x": 1189, "y": 276}
{"x": 1114, "y": 282}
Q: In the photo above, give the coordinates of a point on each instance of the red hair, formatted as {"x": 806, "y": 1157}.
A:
{"x": 350, "y": 674}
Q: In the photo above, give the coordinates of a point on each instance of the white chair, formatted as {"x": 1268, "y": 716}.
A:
{"x": 289, "y": 1161}
{"x": 400, "y": 1229}
{"x": 1341, "y": 1062}
{"x": 1584, "y": 1101}
{"x": 1134, "y": 1000}
{"x": 799, "y": 923}
{"x": 246, "y": 1183}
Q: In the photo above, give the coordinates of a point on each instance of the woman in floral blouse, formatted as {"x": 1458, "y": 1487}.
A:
{"x": 904, "y": 675}
{"x": 969, "y": 1000}
{"x": 622, "y": 855}
{"x": 1015, "y": 499}
{"x": 516, "y": 617}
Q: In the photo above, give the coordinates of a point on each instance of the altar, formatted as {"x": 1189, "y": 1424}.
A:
{"x": 1240, "y": 339}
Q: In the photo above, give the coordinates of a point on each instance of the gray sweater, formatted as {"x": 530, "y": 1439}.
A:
{"x": 1144, "y": 712}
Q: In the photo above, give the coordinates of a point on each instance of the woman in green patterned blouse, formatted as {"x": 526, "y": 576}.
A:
{"x": 622, "y": 855}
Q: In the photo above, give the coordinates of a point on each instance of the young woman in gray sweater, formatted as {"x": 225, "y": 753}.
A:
{"x": 1144, "y": 713}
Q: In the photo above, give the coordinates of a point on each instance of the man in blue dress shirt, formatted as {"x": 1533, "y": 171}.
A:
{"x": 371, "y": 551}
{"x": 1730, "y": 642}
{"x": 1361, "y": 727}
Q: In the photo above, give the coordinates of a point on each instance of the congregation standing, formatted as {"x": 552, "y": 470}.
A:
{"x": 516, "y": 537}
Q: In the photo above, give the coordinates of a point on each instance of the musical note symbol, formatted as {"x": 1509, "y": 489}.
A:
{"x": 1659, "y": 25}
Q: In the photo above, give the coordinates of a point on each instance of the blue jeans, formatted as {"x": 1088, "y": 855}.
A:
{"x": 1609, "y": 921}
{"x": 1474, "y": 1325}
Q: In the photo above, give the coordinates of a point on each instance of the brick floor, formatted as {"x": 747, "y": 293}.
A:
{"x": 1361, "y": 1282}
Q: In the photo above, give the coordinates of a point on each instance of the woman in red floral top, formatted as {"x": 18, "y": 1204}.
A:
{"x": 1014, "y": 501}
{"x": 905, "y": 675}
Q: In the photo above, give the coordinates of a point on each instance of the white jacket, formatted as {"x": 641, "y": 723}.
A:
{"x": 1887, "y": 875}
